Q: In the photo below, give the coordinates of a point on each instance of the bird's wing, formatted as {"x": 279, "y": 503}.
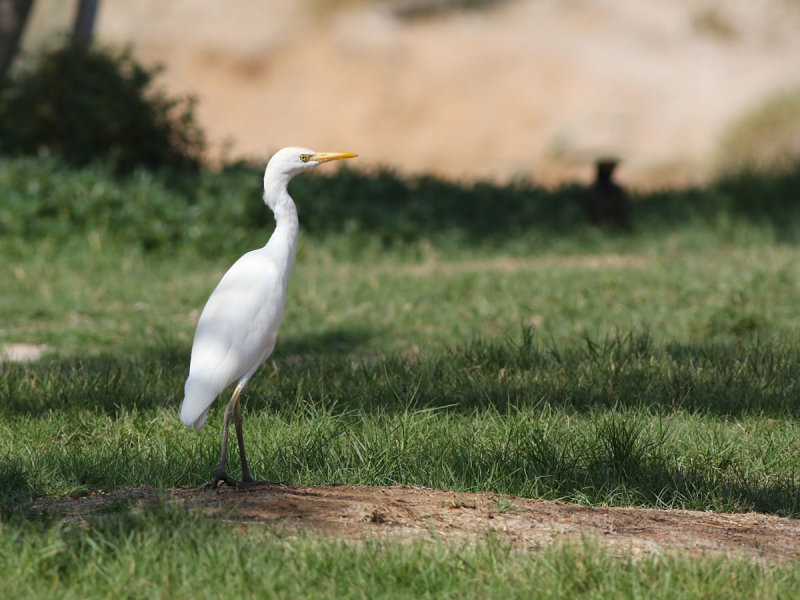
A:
{"x": 237, "y": 330}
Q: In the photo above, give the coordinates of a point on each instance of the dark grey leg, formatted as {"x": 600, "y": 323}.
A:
{"x": 222, "y": 474}
{"x": 234, "y": 409}
{"x": 237, "y": 421}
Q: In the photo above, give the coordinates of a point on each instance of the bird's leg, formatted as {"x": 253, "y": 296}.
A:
{"x": 222, "y": 474}
{"x": 246, "y": 478}
{"x": 234, "y": 409}
{"x": 237, "y": 421}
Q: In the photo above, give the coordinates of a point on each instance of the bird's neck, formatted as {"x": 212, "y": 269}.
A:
{"x": 282, "y": 244}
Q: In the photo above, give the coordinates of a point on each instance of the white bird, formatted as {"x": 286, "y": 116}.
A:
{"x": 239, "y": 325}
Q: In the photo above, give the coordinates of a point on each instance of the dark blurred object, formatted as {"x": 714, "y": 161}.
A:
{"x": 85, "y": 104}
{"x": 83, "y": 30}
{"x": 606, "y": 201}
{"x": 412, "y": 9}
{"x": 13, "y": 17}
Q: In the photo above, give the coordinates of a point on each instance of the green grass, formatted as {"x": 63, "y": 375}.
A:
{"x": 122, "y": 562}
{"x": 85, "y": 299}
{"x": 621, "y": 423}
{"x": 163, "y": 553}
{"x": 465, "y": 350}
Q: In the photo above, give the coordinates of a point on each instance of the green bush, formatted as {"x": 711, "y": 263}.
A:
{"x": 222, "y": 213}
{"x": 84, "y": 104}
{"x": 764, "y": 138}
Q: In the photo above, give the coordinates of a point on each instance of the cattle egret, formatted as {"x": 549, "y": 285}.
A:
{"x": 239, "y": 325}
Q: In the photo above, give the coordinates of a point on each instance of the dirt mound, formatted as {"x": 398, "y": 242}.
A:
{"x": 411, "y": 512}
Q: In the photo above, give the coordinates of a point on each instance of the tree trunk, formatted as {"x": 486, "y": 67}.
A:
{"x": 13, "y": 16}
{"x": 83, "y": 30}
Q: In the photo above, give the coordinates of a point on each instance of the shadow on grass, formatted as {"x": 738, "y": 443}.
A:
{"x": 624, "y": 371}
{"x": 616, "y": 463}
{"x": 590, "y": 475}
{"x": 411, "y": 420}
{"x": 333, "y": 343}
{"x": 384, "y": 205}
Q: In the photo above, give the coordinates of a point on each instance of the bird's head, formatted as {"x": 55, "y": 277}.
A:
{"x": 287, "y": 163}
{"x": 291, "y": 161}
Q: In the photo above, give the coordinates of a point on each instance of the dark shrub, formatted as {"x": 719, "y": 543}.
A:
{"x": 83, "y": 104}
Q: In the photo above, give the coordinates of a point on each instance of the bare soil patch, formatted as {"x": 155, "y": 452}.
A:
{"x": 21, "y": 352}
{"x": 418, "y": 513}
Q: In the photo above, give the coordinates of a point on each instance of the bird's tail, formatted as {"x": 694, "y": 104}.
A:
{"x": 197, "y": 401}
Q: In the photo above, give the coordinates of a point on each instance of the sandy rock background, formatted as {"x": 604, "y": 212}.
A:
{"x": 518, "y": 88}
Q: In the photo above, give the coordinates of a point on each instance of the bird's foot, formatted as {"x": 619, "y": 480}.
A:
{"x": 221, "y": 479}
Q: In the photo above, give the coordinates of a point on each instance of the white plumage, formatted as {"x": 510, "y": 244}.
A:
{"x": 239, "y": 324}
{"x": 236, "y": 332}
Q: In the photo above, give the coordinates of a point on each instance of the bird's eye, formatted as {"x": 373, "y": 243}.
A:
{"x": 305, "y": 157}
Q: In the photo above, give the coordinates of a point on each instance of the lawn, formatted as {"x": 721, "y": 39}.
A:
{"x": 533, "y": 357}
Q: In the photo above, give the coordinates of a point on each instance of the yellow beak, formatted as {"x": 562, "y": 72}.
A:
{"x": 326, "y": 156}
